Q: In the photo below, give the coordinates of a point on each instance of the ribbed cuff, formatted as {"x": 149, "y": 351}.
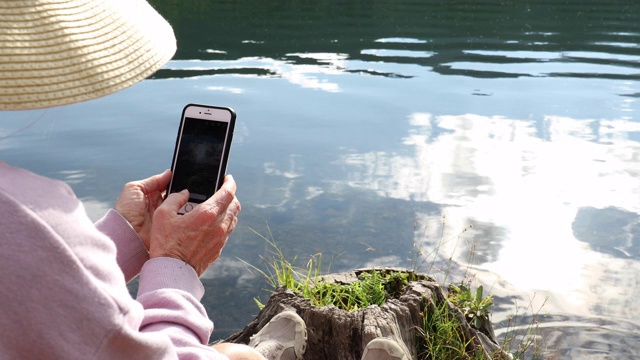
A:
{"x": 132, "y": 253}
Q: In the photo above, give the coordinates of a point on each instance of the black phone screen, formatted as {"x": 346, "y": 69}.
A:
{"x": 200, "y": 152}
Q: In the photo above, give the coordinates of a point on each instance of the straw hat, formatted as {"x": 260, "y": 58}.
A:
{"x": 57, "y": 52}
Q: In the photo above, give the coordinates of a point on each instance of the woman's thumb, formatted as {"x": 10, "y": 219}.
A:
{"x": 176, "y": 200}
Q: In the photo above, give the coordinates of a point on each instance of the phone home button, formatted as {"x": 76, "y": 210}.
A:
{"x": 188, "y": 207}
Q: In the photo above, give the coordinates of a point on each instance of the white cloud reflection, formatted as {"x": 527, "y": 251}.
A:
{"x": 226, "y": 268}
{"x": 280, "y": 195}
{"x": 311, "y": 76}
{"x": 397, "y": 53}
{"x": 402, "y": 40}
{"x": 232, "y": 90}
{"x": 526, "y": 177}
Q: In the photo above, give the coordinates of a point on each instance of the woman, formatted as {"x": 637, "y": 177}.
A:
{"x": 63, "y": 290}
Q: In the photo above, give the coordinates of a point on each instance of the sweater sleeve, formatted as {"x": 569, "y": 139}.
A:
{"x": 170, "y": 293}
{"x": 131, "y": 253}
{"x": 64, "y": 296}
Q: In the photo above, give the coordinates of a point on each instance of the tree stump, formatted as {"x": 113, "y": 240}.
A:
{"x": 337, "y": 334}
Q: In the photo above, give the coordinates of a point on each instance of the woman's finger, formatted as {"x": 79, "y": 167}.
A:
{"x": 175, "y": 201}
{"x": 156, "y": 182}
{"x": 218, "y": 203}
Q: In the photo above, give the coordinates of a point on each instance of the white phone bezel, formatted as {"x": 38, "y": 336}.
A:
{"x": 204, "y": 113}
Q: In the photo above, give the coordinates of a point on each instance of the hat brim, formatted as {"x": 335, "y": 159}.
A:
{"x": 55, "y": 53}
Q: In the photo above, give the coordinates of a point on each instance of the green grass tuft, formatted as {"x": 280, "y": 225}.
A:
{"x": 440, "y": 337}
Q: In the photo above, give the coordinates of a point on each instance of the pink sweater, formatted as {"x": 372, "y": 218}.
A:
{"x": 63, "y": 291}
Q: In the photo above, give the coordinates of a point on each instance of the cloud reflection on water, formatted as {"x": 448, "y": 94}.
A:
{"x": 310, "y": 76}
{"x": 527, "y": 180}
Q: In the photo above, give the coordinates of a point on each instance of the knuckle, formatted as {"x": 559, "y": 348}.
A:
{"x": 224, "y": 229}
{"x": 133, "y": 184}
{"x": 162, "y": 212}
{"x": 226, "y": 195}
{"x": 208, "y": 214}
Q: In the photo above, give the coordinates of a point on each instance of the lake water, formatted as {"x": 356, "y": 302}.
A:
{"x": 499, "y": 140}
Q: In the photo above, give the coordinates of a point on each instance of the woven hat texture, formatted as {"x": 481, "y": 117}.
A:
{"x": 57, "y": 52}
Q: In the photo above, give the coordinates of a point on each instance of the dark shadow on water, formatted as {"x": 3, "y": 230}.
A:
{"x": 610, "y": 230}
{"x": 485, "y": 242}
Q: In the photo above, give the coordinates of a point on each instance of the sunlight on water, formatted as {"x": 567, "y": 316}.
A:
{"x": 512, "y": 178}
{"x": 307, "y": 76}
{"x": 402, "y": 41}
{"x": 531, "y": 188}
{"x": 397, "y": 53}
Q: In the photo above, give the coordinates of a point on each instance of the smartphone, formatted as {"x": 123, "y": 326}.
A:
{"x": 201, "y": 152}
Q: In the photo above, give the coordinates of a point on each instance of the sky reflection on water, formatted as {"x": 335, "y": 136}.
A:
{"x": 500, "y": 171}
{"x": 526, "y": 185}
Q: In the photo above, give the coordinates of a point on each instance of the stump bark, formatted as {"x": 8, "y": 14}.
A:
{"x": 341, "y": 335}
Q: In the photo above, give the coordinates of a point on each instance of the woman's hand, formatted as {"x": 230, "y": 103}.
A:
{"x": 139, "y": 200}
{"x": 197, "y": 237}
